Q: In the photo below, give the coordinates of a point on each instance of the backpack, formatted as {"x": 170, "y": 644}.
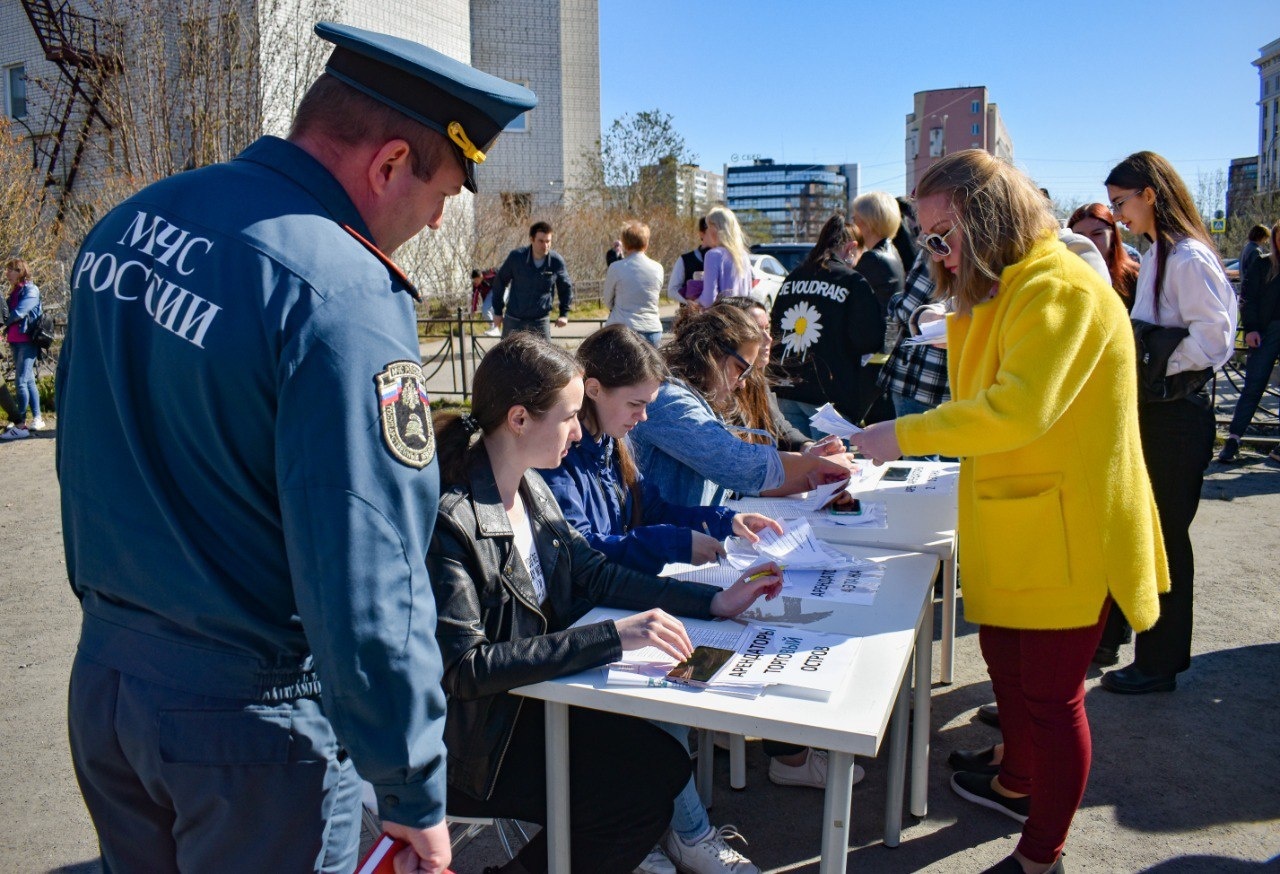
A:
{"x": 38, "y": 331}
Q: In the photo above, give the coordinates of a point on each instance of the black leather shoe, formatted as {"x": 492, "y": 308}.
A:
{"x": 1131, "y": 681}
{"x": 990, "y": 714}
{"x": 977, "y": 788}
{"x": 1106, "y": 656}
{"x": 977, "y": 761}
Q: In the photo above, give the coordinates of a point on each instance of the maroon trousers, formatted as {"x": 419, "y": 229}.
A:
{"x": 1038, "y": 678}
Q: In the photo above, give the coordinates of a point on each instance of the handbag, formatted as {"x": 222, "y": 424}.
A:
{"x": 38, "y": 332}
{"x": 1155, "y": 345}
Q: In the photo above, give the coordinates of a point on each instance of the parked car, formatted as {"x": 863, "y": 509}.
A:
{"x": 1232, "y": 266}
{"x": 788, "y": 254}
{"x": 767, "y": 274}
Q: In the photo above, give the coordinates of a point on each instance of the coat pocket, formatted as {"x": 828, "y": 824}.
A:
{"x": 1023, "y": 536}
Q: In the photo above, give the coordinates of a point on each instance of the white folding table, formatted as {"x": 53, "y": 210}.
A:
{"x": 853, "y": 721}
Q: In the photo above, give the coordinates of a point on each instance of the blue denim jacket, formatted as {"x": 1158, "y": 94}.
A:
{"x": 692, "y": 458}
{"x": 588, "y": 486}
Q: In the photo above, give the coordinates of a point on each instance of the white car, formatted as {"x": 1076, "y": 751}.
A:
{"x": 767, "y": 274}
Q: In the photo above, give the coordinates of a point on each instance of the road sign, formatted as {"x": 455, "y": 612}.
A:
{"x": 1218, "y": 226}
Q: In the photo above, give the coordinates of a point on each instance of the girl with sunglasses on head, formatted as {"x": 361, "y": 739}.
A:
{"x": 686, "y": 448}
{"x": 1044, "y": 418}
{"x": 1181, "y": 285}
{"x": 621, "y": 514}
{"x": 510, "y": 576}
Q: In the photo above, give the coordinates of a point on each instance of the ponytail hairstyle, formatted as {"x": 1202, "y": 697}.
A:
{"x": 616, "y": 357}
{"x": 1176, "y": 216}
{"x": 1001, "y": 215}
{"x": 523, "y": 370}
{"x": 699, "y": 346}
{"x": 731, "y": 238}
{"x": 753, "y": 396}
{"x": 1123, "y": 269}
{"x": 835, "y": 235}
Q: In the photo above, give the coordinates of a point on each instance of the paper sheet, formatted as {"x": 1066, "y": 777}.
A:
{"x": 930, "y": 332}
{"x": 827, "y": 419}
{"x": 796, "y": 547}
{"x": 845, "y": 585}
{"x": 789, "y": 506}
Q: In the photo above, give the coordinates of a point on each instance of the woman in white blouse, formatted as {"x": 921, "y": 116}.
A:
{"x": 1181, "y": 284}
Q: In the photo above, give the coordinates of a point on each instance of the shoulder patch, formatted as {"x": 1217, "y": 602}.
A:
{"x": 405, "y": 413}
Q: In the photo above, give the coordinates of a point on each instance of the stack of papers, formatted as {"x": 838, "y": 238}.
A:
{"x": 790, "y": 505}
{"x": 827, "y": 420}
{"x": 796, "y": 547}
{"x": 930, "y": 333}
{"x": 794, "y": 662}
{"x": 855, "y": 585}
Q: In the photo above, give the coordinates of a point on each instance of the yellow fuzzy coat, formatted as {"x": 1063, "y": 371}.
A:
{"x": 1055, "y": 506}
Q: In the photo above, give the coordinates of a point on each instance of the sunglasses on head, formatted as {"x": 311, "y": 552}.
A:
{"x": 937, "y": 243}
{"x": 747, "y": 367}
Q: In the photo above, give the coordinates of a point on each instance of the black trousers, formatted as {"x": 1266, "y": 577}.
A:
{"x": 624, "y": 774}
{"x": 1177, "y": 441}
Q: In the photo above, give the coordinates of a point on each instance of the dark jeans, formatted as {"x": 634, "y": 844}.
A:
{"x": 510, "y": 324}
{"x": 623, "y": 775}
{"x": 1038, "y": 678}
{"x": 1257, "y": 373}
{"x": 1177, "y": 441}
{"x": 176, "y": 781}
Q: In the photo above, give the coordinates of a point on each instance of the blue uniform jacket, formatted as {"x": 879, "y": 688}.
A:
{"x": 588, "y": 487}
{"x": 525, "y": 290}
{"x": 691, "y": 456}
{"x": 247, "y": 463}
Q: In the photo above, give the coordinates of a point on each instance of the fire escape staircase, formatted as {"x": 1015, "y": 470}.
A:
{"x": 86, "y": 52}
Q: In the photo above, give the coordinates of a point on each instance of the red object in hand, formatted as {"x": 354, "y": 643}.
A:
{"x": 381, "y": 858}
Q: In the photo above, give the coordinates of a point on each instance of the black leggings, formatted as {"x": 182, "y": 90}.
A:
{"x": 624, "y": 774}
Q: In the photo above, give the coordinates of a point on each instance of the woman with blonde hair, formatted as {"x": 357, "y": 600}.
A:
{"x": 877, "y": 218}
{"x": 1044, "y": 417}
{"x": 726, "y": 268}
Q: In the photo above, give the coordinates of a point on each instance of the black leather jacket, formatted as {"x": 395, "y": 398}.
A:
{"x": 493, "y": 634}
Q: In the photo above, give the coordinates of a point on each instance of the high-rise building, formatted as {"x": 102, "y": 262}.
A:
{"x": 1268, "y": 64}
{"x": 1242, "y": 184}
{"x": 688, "y": 187}
{"x": 948, "y": 120}
{"x": 795, "y": 199}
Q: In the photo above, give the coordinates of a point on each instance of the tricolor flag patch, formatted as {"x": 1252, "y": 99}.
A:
{"x": 406, "y": 413}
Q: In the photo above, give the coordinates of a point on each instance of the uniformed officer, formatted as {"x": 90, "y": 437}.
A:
{"x": 249, "y": 482}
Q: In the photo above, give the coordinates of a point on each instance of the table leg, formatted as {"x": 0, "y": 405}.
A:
{"x": 921, "y": 726}
{"x": 706, "y": 766}
{"x": 948, "y": 613}
{"x": 835, "y": 813}
{"x": 557, "y": 726}
{"x": 897, "y": 764}
{"x": 737, "y": 761}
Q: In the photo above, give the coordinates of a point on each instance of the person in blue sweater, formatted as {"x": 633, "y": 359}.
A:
{"x": 602, "y": 494}
{"x": 598, "y": 486}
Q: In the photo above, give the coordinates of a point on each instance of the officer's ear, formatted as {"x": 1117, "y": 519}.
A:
{"x": 386, "y": 165}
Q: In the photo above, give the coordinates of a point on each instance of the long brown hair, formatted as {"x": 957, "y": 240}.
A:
{"x": 834, "y": 237}
{"x": 699, "y": 346}
{"x": 522, "y": 370}
{"x": 617, "y": 357}
{"x": 1001, "y": 215}
{"x": 1123, "y": 269}
{"x": 753, "y": 395}
{"x": 1176, "y": 216}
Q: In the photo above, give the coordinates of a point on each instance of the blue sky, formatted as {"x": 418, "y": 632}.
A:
{"x": 1079, "y": 85}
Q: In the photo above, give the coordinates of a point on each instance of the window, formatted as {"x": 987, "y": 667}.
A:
{"x": 975, "y": 107}
{"x": 935, "y": 142}
{"x": 519, "y": 124}
{"x": 975, "y": 129}
{"x": 15, "y": 91}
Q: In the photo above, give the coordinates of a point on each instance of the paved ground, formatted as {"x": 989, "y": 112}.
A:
{"x": 1184, "y": 782}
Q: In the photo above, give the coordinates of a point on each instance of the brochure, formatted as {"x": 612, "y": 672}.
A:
{"x": 827, "y": 419}
{"x": 856, "y": 585}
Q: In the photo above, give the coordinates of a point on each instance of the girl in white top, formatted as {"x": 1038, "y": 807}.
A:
{"x": 1181, "y": 284}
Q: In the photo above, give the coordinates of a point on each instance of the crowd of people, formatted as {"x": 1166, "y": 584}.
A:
{"x": 337, "y": 586}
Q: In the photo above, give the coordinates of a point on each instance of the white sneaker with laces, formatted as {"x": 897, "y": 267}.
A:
{"x": 656, "y": 863}
{"x": 13, "y": 432}
{"x": 493, "y": 332}
{"x": 710, "y": 855}
{"x": 37, "y": 424}
{"x": 812, "y": 772}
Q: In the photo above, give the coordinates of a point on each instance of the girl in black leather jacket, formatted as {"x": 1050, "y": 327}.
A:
{"x": 501, "y": 626}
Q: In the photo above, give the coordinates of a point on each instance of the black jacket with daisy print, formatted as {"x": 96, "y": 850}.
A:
{"x": 825, "y": 319}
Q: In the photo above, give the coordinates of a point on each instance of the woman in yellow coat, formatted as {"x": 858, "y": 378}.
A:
{"x": 1057, "y": 518}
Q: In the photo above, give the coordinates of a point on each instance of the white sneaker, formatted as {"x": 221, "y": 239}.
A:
{"x": 711, "y": 855}
{"x": 37, "y": 424}
{"x": 13, "y": 432}
{"x": 812, "y": 772}
{"x": 656, "y": 863}
{"x": 493, "y": 332}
